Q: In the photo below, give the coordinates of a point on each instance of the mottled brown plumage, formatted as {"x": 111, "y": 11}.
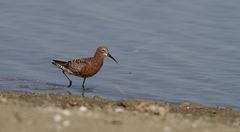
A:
{"x": 84, "y": 67}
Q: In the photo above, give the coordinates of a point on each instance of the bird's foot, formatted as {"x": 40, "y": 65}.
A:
{"x": 70, "y": 84}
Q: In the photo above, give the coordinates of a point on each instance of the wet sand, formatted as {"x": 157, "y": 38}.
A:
{"x": 48, "y": 113}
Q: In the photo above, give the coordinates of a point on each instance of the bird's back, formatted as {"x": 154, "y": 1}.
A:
{"x": 84, "y": 67}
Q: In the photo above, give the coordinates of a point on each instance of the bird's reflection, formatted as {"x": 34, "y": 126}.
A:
{"x": 71, "y": 91}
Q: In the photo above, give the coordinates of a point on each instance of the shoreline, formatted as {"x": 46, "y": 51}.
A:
{"x": 28, "y": 111}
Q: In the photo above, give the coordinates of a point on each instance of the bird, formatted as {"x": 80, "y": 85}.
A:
{"x": 84, "y": 67}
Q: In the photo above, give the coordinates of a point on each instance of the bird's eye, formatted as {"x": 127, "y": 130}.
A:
{"x": 103, "y": 50}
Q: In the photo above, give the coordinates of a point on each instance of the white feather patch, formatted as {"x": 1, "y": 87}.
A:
{"x": 64, "y": 68}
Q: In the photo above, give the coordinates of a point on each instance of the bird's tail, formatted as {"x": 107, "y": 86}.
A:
{"x": 59, "y": 64}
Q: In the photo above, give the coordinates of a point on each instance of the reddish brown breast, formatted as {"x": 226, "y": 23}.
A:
{"x": 91, "y": 68}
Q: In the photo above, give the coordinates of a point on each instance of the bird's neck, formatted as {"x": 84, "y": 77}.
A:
{"x": 97, "y": 62}
{"x": 98, "y": 58}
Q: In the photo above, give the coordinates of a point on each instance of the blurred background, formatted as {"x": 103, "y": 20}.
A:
{"x": 167, "y": 49}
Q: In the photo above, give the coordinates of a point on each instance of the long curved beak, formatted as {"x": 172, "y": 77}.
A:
{"x": 109, "y": 55}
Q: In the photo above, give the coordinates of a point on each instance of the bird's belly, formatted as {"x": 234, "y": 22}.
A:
{"x": 88, "y": 71}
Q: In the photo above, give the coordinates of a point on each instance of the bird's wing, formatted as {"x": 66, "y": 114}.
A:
{"x": 77, "y": 64}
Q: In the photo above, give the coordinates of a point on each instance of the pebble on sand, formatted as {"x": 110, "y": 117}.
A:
{"x": 119, "y": 109}
{"x": 83, "y": 109}
{"x": 57, "y": 118}
{"x": 3, "y": 100}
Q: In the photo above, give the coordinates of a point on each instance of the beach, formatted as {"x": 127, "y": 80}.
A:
{"x": 25, "y": 112}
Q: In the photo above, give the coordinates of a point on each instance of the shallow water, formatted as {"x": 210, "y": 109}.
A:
{"x": 167, "y": 49}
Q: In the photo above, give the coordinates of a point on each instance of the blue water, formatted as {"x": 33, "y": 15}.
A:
{"x": 167, "y": 49}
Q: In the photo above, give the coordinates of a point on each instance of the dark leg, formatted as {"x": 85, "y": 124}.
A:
{"x": 83, "y": 93}
{"x": 69, "y": 92}
{"x": 70, "y": 81}
{"x": 83, "y": 89}
{"x": 83, "y": 82}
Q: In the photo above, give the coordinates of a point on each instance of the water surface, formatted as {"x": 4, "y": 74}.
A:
{"x": 167, "y": 49}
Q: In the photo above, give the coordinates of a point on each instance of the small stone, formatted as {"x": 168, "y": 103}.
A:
{"x": 116, "y": 122}
{"x": 119, "y": 110}
{"x": 57, "y": 118}
{"x": 83, "y": 109}
{"x": 152, "y": 108}
{"x": 3, "y": 100}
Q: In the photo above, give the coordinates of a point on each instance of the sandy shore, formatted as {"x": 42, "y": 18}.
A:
{"x": 48, "y": 113}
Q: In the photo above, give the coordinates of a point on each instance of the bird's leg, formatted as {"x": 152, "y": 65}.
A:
{"x": 83, "y": 93}
{"x": 83, "y": 82}
{"x": 83, "y": 89}
{"x": 70, "y": 81}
